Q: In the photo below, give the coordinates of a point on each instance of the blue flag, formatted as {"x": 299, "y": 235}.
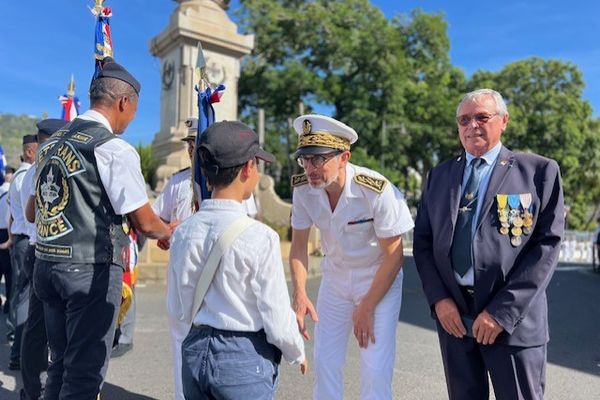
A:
{"x": 206, "y": 117}
{"x": 102, "y": 38}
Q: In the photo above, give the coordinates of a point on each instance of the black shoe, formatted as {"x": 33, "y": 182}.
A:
{"x": 121, "y": 349}
{"x": 14, "y": 365}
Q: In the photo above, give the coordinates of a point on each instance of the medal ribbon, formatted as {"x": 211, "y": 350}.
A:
{"x": 514, "y": 201}
{"x": 501, "y": 199}
{"x": 525, "y": 200}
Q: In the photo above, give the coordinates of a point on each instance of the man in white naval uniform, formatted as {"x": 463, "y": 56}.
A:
{"x": 176, "y": 203}
{"x": 361, "y": 217}
{"x": 18, "y": 241}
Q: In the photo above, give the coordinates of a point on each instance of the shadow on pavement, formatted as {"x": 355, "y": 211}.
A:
{"x": 112, "y": 392}
{"x": 574, "y": 315}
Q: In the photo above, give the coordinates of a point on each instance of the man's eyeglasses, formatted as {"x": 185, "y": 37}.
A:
{"x": 464, "y": 120}
{"x": 317, "y": 161}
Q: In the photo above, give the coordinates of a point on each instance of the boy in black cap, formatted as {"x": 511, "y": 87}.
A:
{"x": 244, "y": 323}
{"x": 88, "y": 183}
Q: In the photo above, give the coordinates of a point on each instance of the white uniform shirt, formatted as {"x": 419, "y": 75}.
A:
{"x": 349, "y": 234}
{"x": 28, "y": 189}
{"x": 19, "y": 225}
{"x": 248, "y": 292}
{"x": 4, "y": 208}
{"x": 175, "y": 201}
{"x": 119, "y": 169}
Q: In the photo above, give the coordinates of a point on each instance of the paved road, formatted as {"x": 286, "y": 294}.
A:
{"x": 574, "y": 352}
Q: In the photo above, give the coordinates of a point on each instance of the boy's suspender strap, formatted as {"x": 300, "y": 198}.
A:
{"x": 221, "y": 245}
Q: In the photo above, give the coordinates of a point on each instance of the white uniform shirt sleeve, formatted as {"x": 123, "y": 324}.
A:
{"x": 16, "y": 209}
{"x": 183, "y": 273}
{"x": 391, "y": 214}
{"x": 300, "y": 216}
{"x": 269, "y": 287}
{"x": 28, "y": 186}
{"x": 163, "y": 205}
{"x": 121, "y": 175}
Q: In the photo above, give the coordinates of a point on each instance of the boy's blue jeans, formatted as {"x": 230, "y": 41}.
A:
{"x": 219, "y": 364}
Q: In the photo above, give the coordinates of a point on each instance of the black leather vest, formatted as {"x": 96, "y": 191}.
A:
{"x": 75, "y": 220}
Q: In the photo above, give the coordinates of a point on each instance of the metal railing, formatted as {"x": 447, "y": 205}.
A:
{"x": 577, "y": 247}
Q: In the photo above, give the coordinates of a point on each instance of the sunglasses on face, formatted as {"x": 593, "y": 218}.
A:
{"x": 464, "y": 120}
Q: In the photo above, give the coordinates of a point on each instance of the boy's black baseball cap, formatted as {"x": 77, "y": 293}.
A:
{"x": 229, "y": 144}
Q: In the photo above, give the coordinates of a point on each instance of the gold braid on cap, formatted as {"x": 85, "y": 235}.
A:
{"x": 323, "y": 139}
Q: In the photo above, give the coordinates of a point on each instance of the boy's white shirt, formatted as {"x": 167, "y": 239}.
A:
{"x": 248, "y": 292}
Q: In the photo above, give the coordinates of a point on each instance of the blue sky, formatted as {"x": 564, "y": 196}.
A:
{"x": 42, "y": 43}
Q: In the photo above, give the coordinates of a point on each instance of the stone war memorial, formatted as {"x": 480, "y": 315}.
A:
{"x": 176, "y": 47}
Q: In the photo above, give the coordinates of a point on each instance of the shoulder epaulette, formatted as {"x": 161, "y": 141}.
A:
{"x": 181, "y": 170}
{"x": 375, "y": 184}
{"x": 299, "y": 180}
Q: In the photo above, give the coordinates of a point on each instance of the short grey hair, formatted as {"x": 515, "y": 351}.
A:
{"x": 108, "y": 90}
{"x": 476, "y": 94}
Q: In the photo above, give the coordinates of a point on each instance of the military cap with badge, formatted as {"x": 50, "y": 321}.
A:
{"x": 29, "y": 139}
{"x": 47, "y": 127}
{"x": 111, "y": 69}
{"x": 319, "y": 135}
{"x": 192, "y": 125}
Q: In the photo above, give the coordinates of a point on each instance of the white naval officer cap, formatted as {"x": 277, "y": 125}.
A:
{"x": 319, "y": 134}
{"x": 192, "y": 124}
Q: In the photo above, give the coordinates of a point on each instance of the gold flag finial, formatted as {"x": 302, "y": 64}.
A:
{"x": 99, "y": 6}
{"x": 71, "y": 87}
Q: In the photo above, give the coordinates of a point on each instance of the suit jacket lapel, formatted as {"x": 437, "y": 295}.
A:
{"x": 503, "y": 165}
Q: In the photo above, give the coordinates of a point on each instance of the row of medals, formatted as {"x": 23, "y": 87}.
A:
{"x": 515, "y": 218}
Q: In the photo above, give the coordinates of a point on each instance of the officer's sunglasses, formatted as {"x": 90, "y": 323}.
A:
{"x": 318, "y": 160}
{"x": 464, "y": 120}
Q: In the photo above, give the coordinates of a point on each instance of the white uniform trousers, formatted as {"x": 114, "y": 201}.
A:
{"x": 340, "y": 292}
{"x": 178, "y": 331}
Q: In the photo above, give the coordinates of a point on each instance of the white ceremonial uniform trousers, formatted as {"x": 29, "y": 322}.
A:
{"x": 340, "y": 292}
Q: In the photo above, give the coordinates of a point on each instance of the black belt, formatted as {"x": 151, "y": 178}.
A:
{"x": 468, "y": 291}
{"x": 20, "y": 236}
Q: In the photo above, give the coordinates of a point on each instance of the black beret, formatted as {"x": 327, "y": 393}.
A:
{"x": 29, "y": 139}
{"x": 50, "y": 125}
{"x": 111, "y": 69}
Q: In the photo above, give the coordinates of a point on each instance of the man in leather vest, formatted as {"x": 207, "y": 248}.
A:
{"x": 88, "y": 182}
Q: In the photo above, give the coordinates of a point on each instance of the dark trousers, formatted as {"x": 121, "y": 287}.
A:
{"x": 19, "y": 293}
{"x": 228, "y": 365}
{"x": 5, "y": 268}
{"x": 81, "y": 302}
{"x": 34, "y": 342}
{"x": 516, "y": 372}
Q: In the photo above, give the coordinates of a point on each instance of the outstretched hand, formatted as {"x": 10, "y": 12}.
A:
{"x": 302, "y": 306}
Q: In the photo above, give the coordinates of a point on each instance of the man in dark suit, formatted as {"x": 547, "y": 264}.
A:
{"x": 486, "y": 243}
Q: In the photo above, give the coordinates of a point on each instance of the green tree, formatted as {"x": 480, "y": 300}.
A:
{"x": 12, "y": 130}
{"x": 148, "y": 163}
{"x": 548, "y": 116}
{"x": 348, "y": 57}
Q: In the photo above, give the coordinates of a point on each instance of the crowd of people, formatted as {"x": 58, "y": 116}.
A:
{"x": 486, "y": 242}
